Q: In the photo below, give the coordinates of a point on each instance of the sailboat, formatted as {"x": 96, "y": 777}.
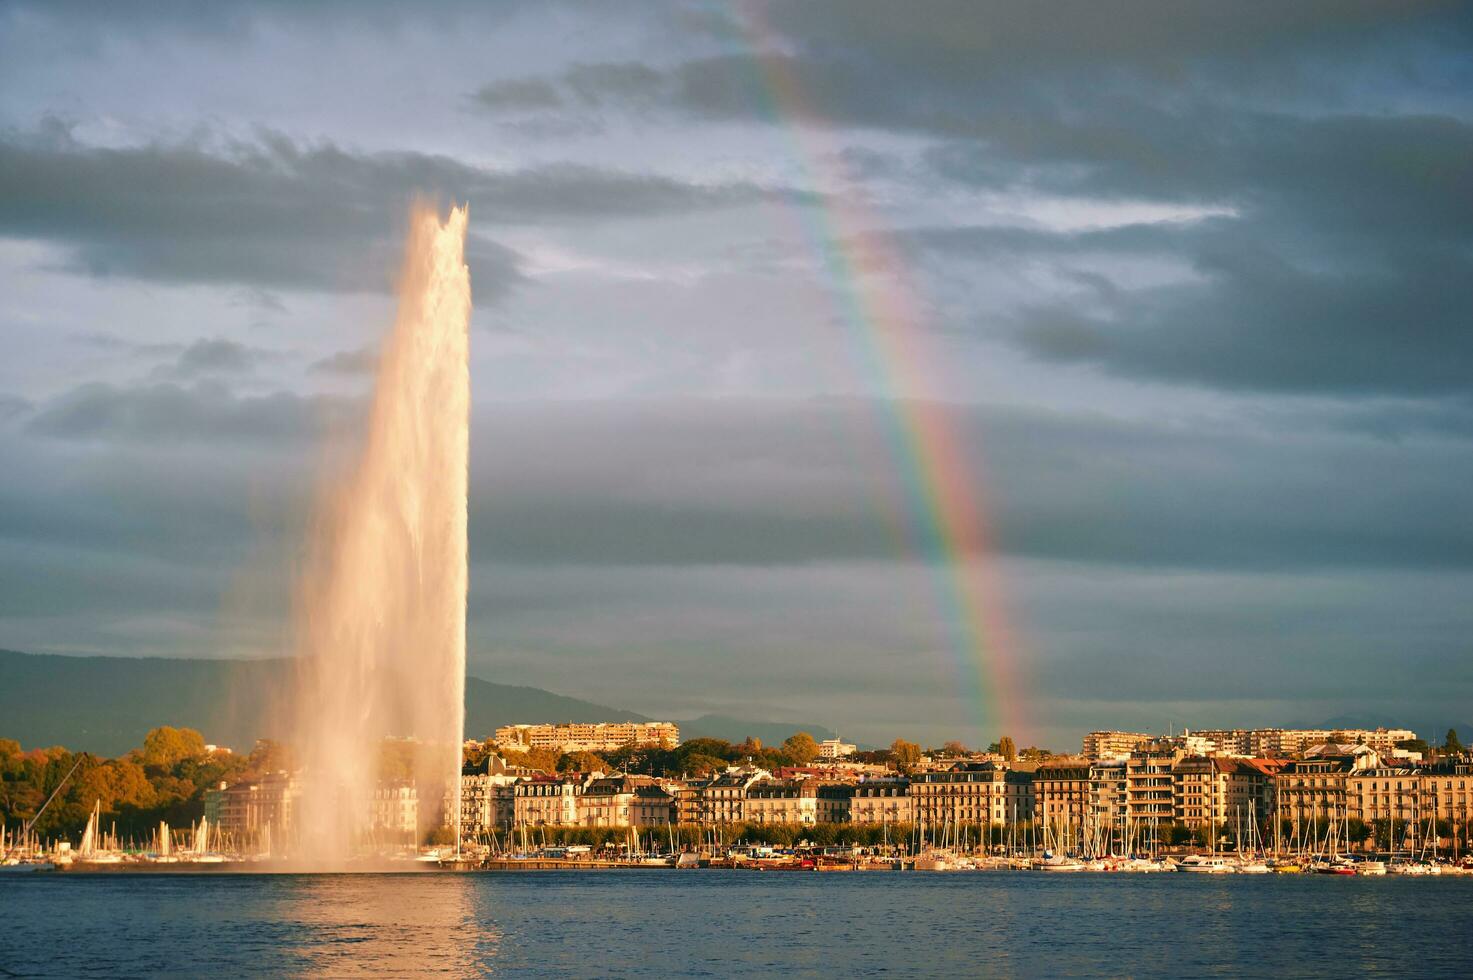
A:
{"x": 94, "y": 849}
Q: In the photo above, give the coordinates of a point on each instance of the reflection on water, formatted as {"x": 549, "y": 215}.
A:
{"x": 402, "y": 925}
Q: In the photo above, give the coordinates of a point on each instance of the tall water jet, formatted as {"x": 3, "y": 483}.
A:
{"x": 381, "y": 603}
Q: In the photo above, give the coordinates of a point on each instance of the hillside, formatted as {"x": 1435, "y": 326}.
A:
{"x": 106, "y": 705}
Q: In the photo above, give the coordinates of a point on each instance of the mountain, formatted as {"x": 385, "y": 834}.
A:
{"x": 106, "y": 705}
{"x": 736, "y": 730}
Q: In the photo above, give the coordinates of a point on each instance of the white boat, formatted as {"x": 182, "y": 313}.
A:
{"x": 1371, "y": 868}
{"x": 1248, "y": 866}
{"x": 1206, "y": 864}
{"x": 1059, "y": 863}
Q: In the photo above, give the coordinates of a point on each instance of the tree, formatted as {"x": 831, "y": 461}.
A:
{"x": 581, "y": 762}
{"x": 904, "y": 754}
{"x": 1452, "y": 743}
{"x": 955, "y": 747}
{"x": 1006, "y": 748}
{"x": 1415, "y": 745}
{"x": 703, "y": 765}
{"x": 165, "y": 747}
{"x": 801, "y": 748}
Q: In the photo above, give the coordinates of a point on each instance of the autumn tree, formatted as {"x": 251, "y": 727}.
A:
{"x": 801, "y": 748}
{"x": 165, "y": 747}
{"x": 904, "y": 754}
{"x": 581, "y": 762}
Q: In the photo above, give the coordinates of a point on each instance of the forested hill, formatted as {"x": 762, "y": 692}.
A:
{"x": 106, "y": 705}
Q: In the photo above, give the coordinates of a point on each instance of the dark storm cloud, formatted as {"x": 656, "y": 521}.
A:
{"x": 203, "y": 414}
{"x": 1348, "y": 263}
{"x": 278, "y": 213}
{"x": 795, "y": 482}
{"x": 744, "y": 483}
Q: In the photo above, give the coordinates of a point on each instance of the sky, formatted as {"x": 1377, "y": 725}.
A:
{"x": 1188, "y": 290}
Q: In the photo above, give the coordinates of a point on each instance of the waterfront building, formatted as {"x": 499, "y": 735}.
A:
{"x": 393, "y": 813}
{"x": 1018, "y": 801}
{"x": 653, "y": 805}
{"x": 781, "y": 801}
{"x": 1107, "y": 792}
{"x": 245, "y": 810}
{"x": 834, "y": 802}
{"x": 545, "y": 800}
{"x": 1316, "y": 787}
{"x": 964, "y": 793}
{"x": 488, "y": 795}
{"x": 1149, "y": 790}
{"x": 589, "y": 737}
{"x": 1113, "y": 745}
{"x": 1385, "y": 793}
{"x": 1062, "y": 795}
{"x": 881, "y": 801}
{"x": 720, "y": 799}
{"x": 1448, "y": 791}
{"x": 1251, "y": 791}
{"x": 607, "y": 801}
{"x": 1199, "y": 789}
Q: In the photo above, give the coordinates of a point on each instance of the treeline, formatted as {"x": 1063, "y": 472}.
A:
{"x": 164, "y": 779}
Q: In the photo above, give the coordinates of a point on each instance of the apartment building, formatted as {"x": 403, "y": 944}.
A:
{"x": 1199, "y": 787}
{"x": 544, "y": 800}
{"x": 833, "y": 748}
{"x": 653, "y": 805}
{"x": 589, "y": 737}
{"x": 782, "y": 801}
{"x": 882, "y": 801}
{"x": 1149, "y": 791}
{"x": 1107, "y": 787}
{"x": 1062, "y": 793}
{"x": 965, "y": 793}
{"x": 247, "y": 809}
{"x": 1113, "y": 745}
{"x": 393, "y": 813}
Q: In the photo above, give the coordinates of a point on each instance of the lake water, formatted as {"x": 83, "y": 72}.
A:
{"x": 718, "y": 924}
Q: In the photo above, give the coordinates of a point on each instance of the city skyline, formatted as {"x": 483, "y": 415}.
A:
{"x": 1193, "y": 292}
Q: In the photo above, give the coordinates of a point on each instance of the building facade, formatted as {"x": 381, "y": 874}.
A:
{"x": 589, "y": 737}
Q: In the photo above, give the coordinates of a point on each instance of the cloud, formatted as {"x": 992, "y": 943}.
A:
{"x": 206, "y": 412}
{"x": 359, "y": 361}
{"x": 275, "y": 213}
{"x": 213, "y": 356}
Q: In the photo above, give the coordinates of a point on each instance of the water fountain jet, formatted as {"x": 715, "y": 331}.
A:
{"x": 381, "y": 604}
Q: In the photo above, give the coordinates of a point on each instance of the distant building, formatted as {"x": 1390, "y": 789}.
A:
{"x": 832, "y": 748}
{"x": 1112, "y": 745}
{"x": 595, "y": 737}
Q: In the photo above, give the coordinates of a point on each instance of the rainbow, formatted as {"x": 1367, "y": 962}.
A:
{"x": 942, "y": 511}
